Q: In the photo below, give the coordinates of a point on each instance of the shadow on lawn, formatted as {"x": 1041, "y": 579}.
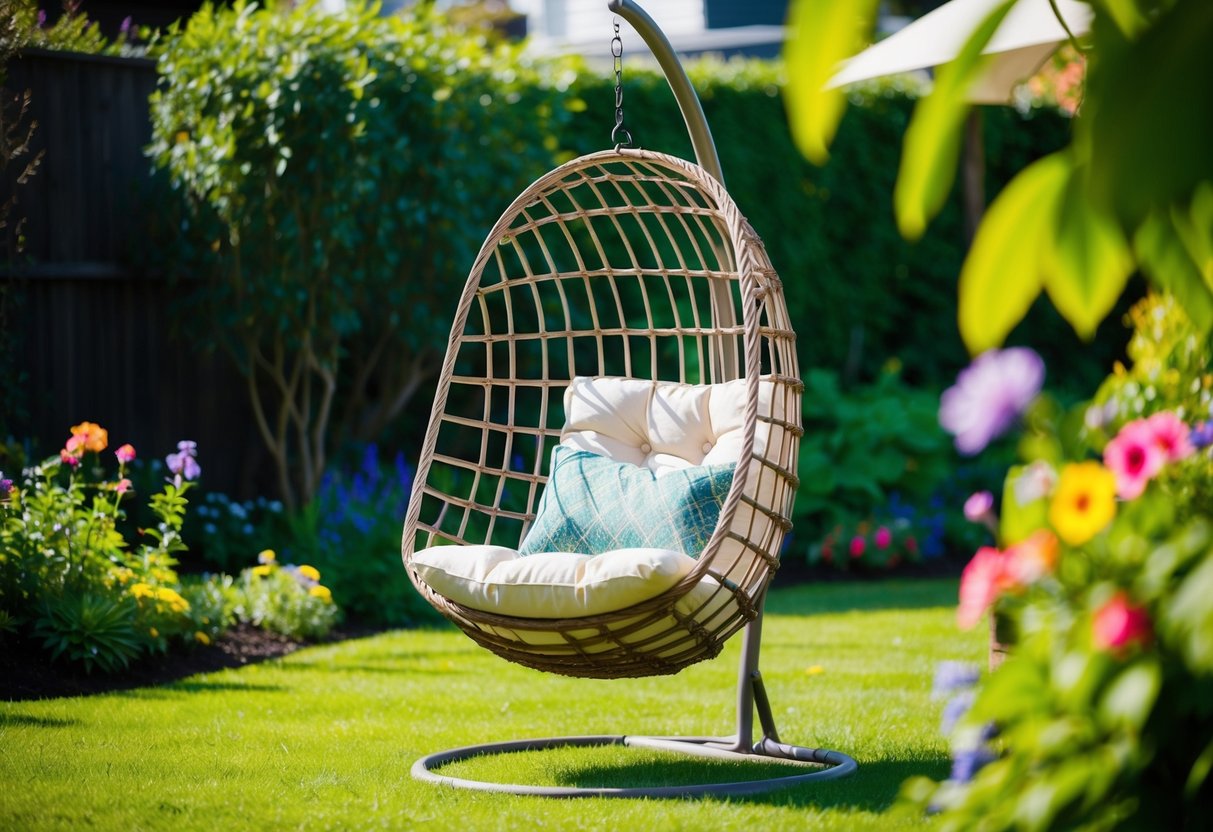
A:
{"x": 25, "y": 720}
{"x": 872, "y": 789}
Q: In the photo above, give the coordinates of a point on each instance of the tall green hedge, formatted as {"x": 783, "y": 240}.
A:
{"x": 859, "y": 294}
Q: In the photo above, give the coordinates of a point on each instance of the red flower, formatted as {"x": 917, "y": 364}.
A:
{"x": 1119, "y": 624}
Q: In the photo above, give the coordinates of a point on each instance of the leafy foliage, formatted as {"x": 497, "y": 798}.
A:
{"x": 342, "y": 170}
{"x": 875, "y": 456}
{"x": 1100, "y": 713}
{"x": 1132, "y": 190}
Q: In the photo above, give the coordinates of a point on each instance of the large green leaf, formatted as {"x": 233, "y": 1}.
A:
{"x": 1150, "y": 126}
{"x": 1002, "y": 274}
{"x": 821, "y": 34}
{"x": 1088, "y": 260}
{"x": 932, "y": 144}
{"x": 1163, "y": 257}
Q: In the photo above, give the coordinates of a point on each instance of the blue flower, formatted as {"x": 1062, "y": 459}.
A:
{"x": 967, "y": 762}
{"x": 951, "y": 677}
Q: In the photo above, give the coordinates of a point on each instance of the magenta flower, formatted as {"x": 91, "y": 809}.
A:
{"x": 68, "y": 458}
{"x": 1171, "y": 435}
{"x": 858, "y": 545}
{"x": 6, "y": 488}
{"x": 125, "y": 454}
{"x": 1119, "y": 624}
{"x": 1134, "y": 456}
{"x": 182, "y": 464}
{"x": 989, "y": 395}
{"x": 882, "y": 538}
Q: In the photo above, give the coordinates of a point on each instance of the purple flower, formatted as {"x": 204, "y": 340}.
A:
{"x": 41, "y": 18}
{"x": 966, "y": 763}
{"x": 989, "y": 395}
{"x": 125, "y": 29}
{"x": 6, "y": 489}
{"x": 951, "y": 677}
{"x": 955, "y": 710}
{"x": 182, "y": 464}
{"x": 1202, "y": 434}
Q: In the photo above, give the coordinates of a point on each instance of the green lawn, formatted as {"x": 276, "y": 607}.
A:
{"x": 324, "y": 738}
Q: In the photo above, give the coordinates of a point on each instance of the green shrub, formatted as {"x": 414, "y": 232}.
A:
{"x": 874, "y": 455}
{"x": 341, "y": 171}
{"x": 285, "y": 599}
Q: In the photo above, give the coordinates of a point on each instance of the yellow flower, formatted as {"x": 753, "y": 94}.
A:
{"x": 201, "y": 637}
{"x": 261, "y": 571}
{"x": 142, "y": 590}
{"x": 266, "y": 556}
{"x": 1084, "y": 502}
{"x": 309, "y": 572}
{"x": 321, "y": 592}
{"x": 153, "y": 632}
{"x": 175, "y": 602}
{"x": 814, "y": 670}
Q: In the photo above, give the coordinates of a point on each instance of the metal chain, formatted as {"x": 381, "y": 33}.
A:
{"x": 619, "y": 135}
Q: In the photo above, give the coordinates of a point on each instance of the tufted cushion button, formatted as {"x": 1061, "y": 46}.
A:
{"x": 707, "y": 446}
{"x": 646, "y": 448}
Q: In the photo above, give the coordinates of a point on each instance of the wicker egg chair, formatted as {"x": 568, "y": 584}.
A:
{"x": 633, "y": 266}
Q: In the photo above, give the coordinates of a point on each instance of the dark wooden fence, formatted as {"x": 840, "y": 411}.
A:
{"x": 91, "y": 326}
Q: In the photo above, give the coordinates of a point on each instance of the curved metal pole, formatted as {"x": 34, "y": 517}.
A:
{"x": 684, "y": 93}
{"x": 724, "y": 357}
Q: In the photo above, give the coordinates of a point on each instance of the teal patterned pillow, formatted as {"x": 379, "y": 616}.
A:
{"x": 593, "y": 504}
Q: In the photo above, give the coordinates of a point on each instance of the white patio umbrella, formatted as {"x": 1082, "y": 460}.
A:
{"x": 1029, "y": 34}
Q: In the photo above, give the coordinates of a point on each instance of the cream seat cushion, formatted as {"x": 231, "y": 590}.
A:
{"x": 550, "y": 584}
{"x": 663, "y": 426}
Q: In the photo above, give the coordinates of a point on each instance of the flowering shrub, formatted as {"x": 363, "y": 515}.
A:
{"x": 876, "y": 455}
{"x": 70, "y": 578}
{"x": 868, "y": 545}
{"x": 286, "y": 599}
{"x": 1099, "y": 718}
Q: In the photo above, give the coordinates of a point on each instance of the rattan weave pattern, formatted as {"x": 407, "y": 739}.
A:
{"x": 623, "y": 263}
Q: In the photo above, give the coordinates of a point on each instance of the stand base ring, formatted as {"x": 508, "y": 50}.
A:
{"x": 836, "y": 765}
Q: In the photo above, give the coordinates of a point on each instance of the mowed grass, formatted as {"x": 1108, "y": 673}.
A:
{"x": 325, "y": 738}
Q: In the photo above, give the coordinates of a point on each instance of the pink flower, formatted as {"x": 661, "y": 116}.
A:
{"x": 68, "y": 458}
{"x": 124, "y": 485}
{"x": 1171, "y": 435}
{"x": 75, "y": 444}
{"x": 125, "y": 454}
{"x": 983, "y": 580}
{"x": 979, "y": 504}
{"x": 857, "y": 547}
{"x": 1119, "y": 624}
{"x": 882, "y": 538}
{"x": 1134, "y": 457}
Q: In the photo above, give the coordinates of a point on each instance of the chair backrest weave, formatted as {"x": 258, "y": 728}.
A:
{"x": 623, "y": 263}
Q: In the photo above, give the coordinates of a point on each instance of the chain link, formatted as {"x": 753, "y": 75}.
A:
{"x": 619, "y": 135}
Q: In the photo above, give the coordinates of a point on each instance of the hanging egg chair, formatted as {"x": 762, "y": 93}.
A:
{"x": 609, "y": 469}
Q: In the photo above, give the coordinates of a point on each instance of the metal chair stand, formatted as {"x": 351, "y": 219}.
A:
{"x": 806, "y": 764}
